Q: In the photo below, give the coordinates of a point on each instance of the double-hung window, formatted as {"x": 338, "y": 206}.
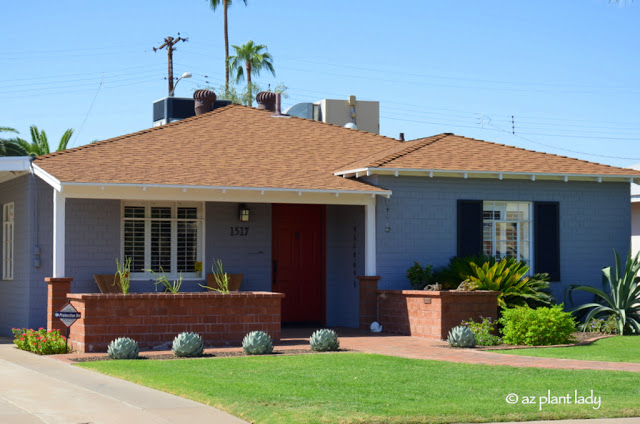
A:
{"x": 7, "y": 241}
{"x": 164, "y": 237}
{"x": 527, "y": 231}
{"x": 506, "y": 230}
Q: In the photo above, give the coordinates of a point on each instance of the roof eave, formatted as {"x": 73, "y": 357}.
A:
{"x": 367, "y": 171}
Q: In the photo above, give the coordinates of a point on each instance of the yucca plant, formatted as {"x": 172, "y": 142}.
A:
{"x": 619, "y": 297}
{"x": 509, "y": 277}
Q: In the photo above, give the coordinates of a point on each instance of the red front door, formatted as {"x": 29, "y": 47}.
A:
{"x": 298, "y": 257}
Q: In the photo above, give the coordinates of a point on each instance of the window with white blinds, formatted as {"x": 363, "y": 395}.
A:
{"x": 163, "y": 237}
{"x": 7, "y": 241}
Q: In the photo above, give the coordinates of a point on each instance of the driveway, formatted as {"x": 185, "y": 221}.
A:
{"x": 38, "y": 389}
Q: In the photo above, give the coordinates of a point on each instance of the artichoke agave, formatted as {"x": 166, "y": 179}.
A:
{"x": 324, "y": 340}
{"x": 123, "y": 348}
{"x": 187, "y": 344}
{"x": 461, "y": 336}
{"x": 257, "y": 343}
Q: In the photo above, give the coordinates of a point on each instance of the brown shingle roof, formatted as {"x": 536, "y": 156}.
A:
{"x": 235, "y": 146}
{"x": 450, "y": 152}
{"x": 238, "y": 146}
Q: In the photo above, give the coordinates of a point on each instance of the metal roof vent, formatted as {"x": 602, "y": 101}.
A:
{"x": 204, "y": 100}
{"x": 266, "y": 101}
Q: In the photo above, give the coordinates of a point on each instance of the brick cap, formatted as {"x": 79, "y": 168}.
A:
{"x": 181, "y": 295}
{"x": 369, "y": 277}
{"x": 53, "y": 280}
{"x": 442, "y": 293}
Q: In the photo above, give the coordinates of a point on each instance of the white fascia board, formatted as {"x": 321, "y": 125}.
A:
{"x": 218, "y": 193}
{"x": 489, "y": 174}
{"x": 47, "y": 178}
{"x": 15, "y": 163}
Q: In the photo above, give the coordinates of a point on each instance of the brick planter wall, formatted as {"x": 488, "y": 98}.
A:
{"x": 154, "y": 319}
{"x": 368, "y": 301}
{"x": 432, "y": 314}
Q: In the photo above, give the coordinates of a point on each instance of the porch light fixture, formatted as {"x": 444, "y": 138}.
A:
{"x": 244, "y": 213}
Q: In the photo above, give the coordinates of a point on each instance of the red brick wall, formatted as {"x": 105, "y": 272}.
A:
{"x": 57, "y": 289}
{"x": 368, "y": 300}
{"x": 432, "y": 314}
{"x": 154, "y": 319}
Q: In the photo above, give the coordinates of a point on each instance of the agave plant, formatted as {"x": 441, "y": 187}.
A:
{"x": 461, "y": 336}
{"x": 509, "y": 278}
{"x": 619, "y": 297}
{"x": 324, "y": 340}
{"x": 123, "y": 348}
{"x": 257, "y": 343}
{"x": 187, "y": 344}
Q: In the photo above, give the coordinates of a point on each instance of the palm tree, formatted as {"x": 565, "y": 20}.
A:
{"x": 39, "y": 143}
{"x": 225, "y": 5}
{"x": 253, "y": 59}
{"x": 12, "y": 146}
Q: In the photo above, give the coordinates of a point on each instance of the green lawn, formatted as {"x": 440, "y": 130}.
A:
{"x": 613, "y": 349}
{"x": 357, "y": 388}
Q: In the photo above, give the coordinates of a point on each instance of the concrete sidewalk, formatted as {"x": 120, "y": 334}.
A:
{"x": 38, "y": 389}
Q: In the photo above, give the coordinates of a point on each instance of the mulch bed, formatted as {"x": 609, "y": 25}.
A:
{"x": 581, "y": 338}
{"x": 211, "y": 354}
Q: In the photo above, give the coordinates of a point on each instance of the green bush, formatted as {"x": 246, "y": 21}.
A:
{"x": 537, "y": 327}
{"x": 420, "y": 276}
{"x": 458, "y": 270}
{"x": 484, "y": 331}
{"x": 39, "y": 341}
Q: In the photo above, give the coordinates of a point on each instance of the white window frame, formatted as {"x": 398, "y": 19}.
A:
{"x": 8, "y": 241}
{"x": 529, "y": 221}
{"x": 200, "y": 206}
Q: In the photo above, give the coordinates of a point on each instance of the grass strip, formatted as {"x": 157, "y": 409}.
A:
{"x": 357, "y": 388}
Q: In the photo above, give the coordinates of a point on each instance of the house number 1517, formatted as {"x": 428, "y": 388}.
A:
{"x": 239, "y": 231}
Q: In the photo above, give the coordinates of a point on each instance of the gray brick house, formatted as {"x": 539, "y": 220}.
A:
{"x": 297, "y": 206}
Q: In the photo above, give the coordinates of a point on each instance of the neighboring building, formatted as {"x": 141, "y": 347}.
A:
{"x": 298, "y": 206}
{"x": 635, "y": 215}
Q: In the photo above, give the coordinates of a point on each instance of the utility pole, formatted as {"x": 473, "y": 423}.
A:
{"x": 169, "y": 42}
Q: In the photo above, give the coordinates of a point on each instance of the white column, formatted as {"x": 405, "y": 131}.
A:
{"x": 58, "y": 233}
{"x": 370, "y": 238}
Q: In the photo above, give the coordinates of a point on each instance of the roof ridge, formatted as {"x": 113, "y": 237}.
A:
{"x": 536, "y": 151}
{"x": 144, "y": 131}
{"x": 409, "y": 149}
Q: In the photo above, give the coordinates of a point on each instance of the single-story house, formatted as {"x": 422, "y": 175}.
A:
{"x": 297, "y": 206}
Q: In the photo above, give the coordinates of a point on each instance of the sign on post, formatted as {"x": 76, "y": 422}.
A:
{"x": 68, "y": 314}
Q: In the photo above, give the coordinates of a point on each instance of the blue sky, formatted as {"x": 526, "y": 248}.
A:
{"x": 567, "y": 71}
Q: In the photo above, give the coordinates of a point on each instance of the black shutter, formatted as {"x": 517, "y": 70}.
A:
{"x": 469, "y": 227}
{"x": 546, "y": 229}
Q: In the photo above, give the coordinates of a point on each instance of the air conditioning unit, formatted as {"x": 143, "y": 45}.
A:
{"x": 170, "y": 109}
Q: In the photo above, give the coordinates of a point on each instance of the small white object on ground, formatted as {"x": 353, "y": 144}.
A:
{"x": 375, "y": 327}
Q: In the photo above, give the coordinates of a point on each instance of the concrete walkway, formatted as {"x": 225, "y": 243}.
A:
{"x": 37, "y": 389}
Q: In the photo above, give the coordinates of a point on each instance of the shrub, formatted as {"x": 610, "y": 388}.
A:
{"x": 123, "y": 270}
{"x": 537, "y": 327}
{"x": 509, "y": 278}
{"x": 484, "y": 331}
{"x": 601, "y": 325}
{"x": 459, "y": 269}
{"x": 42, "y": 342}
{"x": 420, "y": 276}
{"x": 619, "y": 297}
